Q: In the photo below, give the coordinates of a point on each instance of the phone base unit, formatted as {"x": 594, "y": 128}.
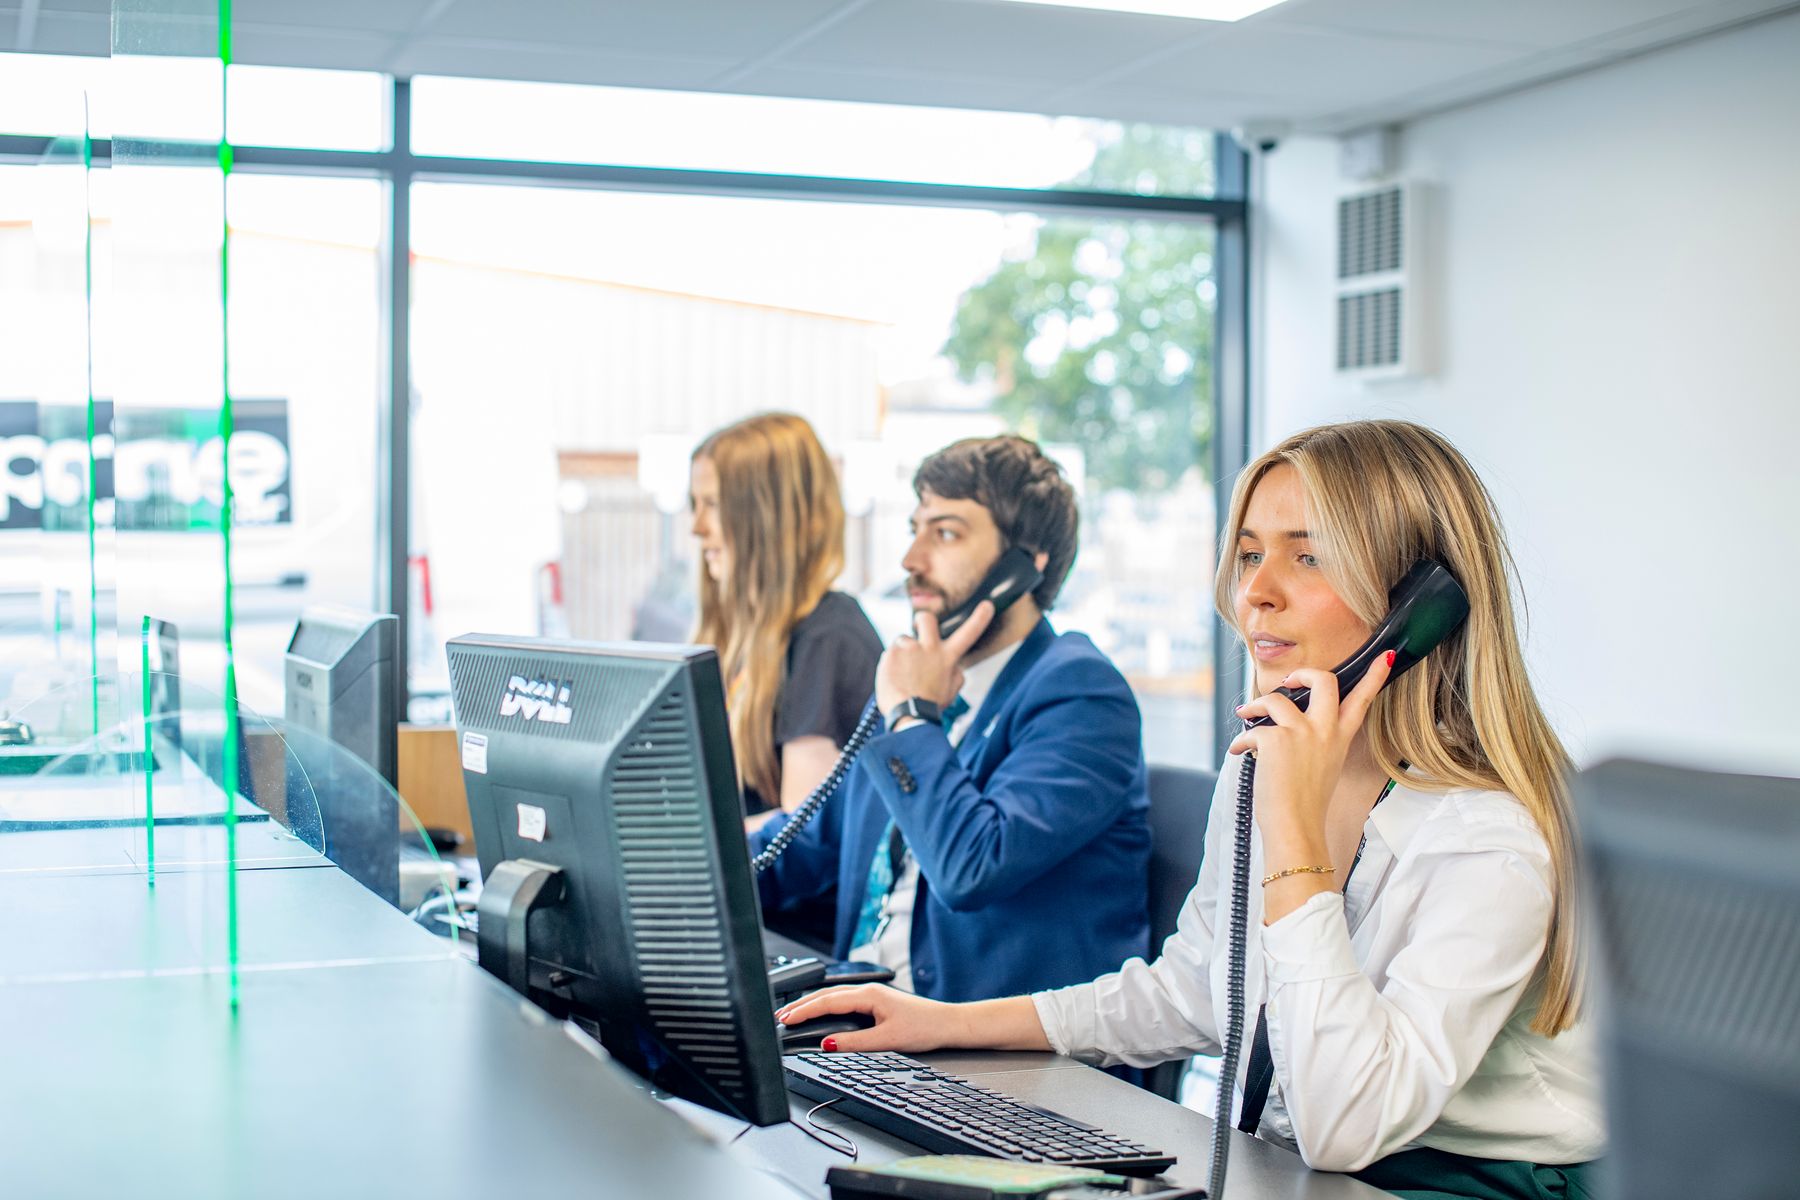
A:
{"x": 967, "y": 1177}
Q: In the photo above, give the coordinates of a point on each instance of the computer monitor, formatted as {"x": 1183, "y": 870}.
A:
{"x": 163, "y": 647}
{"x": 342, "y": 687}
{"x": 1694, "y": 883}
{"x": 605, "y": 805}
{"x": 341, "y": 682}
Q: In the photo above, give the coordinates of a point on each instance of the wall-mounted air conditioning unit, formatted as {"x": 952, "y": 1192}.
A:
{"x": 1380, "y": 326}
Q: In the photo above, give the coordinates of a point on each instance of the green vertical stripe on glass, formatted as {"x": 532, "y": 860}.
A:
{"x": 231, "y": 764}
{"x": 149, "y": 759}
{"x": 87, "y": 283}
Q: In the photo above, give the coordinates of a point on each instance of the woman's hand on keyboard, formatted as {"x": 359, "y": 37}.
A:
{"x": 913, "y": 1024}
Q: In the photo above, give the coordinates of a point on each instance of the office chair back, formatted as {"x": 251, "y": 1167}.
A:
{"x": 1180, "y": 798}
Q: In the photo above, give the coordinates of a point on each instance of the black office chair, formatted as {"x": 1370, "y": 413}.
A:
{"x": 1180, "y": 798}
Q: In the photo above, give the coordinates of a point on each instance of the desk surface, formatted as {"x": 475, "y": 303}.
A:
{"x": 363, "y": 1060}
{"x": 369, "y": 1058}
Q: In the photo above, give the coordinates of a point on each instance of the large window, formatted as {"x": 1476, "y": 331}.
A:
{"x": 697, "y": 261}
{"x": 571, "y": 347}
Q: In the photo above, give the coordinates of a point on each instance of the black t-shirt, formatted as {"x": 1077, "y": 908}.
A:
{"x": 830, "y": 676}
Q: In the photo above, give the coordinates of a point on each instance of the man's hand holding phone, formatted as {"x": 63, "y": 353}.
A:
{"x": 925, "y": 665}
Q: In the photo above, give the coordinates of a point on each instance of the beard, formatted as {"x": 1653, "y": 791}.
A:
{"x": 919, "y": 583}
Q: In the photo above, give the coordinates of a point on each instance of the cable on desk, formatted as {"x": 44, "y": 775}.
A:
{"x": 811, "y": 1126}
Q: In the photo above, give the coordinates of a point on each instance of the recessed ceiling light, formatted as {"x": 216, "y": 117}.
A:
{"x": 1197, "y": 10}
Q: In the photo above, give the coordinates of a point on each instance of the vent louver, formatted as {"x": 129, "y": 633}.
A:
{"x": 1370, "y": 228}
{"x": 1378, "y": 305}
{"x": 657, "y": 801}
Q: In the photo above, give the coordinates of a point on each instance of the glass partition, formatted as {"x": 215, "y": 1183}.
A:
{"x": 189, "y": 407}
{"x": 185, "y": 339}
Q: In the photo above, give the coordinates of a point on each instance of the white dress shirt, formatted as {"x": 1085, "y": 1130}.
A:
{"x": 1399, "y": 1013}
{"x": 892, "y": 944}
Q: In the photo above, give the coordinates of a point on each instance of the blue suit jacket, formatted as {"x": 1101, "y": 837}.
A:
{"x": 1031, "y": 836}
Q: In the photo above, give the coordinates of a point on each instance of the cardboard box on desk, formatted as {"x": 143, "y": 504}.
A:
{"x": 431, "y": 780}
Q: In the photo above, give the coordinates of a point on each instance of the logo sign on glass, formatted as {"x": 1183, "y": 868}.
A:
{"x": 154, "y": 469}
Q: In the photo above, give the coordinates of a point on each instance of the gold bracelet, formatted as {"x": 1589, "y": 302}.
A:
{"x": 1271, "y": 878}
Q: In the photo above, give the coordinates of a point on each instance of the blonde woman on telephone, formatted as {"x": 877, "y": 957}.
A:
{"x": 1412, "y": 947}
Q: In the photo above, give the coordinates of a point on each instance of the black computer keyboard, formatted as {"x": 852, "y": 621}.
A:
{"x": 947, "y": 1114}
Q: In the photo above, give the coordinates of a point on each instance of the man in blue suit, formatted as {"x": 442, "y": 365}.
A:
{"x": 991, "y": 838}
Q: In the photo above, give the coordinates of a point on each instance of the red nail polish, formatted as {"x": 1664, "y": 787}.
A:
{"x": 1390, "y": 657}
{"x": 829, "y": 1043}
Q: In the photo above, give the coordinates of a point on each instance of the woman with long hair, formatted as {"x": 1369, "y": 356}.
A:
{"x": 1412, "y": 948}
{"x": 798, "y": 658}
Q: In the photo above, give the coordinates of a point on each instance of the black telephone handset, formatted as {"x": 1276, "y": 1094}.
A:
{"x": 1424, "y": 608}
{"x": 1014, "y": 575}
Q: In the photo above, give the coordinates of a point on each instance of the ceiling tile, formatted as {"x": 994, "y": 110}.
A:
{"x": 1160, "y": 106}
{"x": 102, "y": 7}
{"x": 1329, "y": 65}
{"x": 1535, "y": 23}
{"x": 1398, "y": 106}
{"x": 1309, "y": 70}
{"x": 362, "y": 16}
{"x": 824, "y": 83}
{"x": 730, "y": 28}
{"x": 72, "y": 33}
{"x": 1696, "y": 20}
{"x": 570, "y": 64}
{"x": 284, "y": 46}
{"x": 985, "y": 41}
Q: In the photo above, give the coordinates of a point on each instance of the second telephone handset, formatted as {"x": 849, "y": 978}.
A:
{"x": 1014, "y": 575}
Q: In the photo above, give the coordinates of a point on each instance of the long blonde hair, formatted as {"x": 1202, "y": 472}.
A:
{"x": 1380, "y": 496}
{"x": 783, "y": 521}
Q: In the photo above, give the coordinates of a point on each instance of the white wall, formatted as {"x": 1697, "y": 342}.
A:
{"x": 1616, "y": 264}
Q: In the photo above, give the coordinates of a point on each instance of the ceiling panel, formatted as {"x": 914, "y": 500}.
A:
{"x": 393, "y": 17}
{"x": 1537, "y": 24}
{"x": 285, "y": 46}
{"x": 1163, "y": 106}
{"x": 976, "y": 41}
{"x": 1310, "y": 71}
{"x": 71, "y": 33}
{"x": 1327, "y": 65}
{"x": 1392, "y": 107}
{"x": 688, "y": 29}
{"x": 563, "y": 64}
{"x": 1695, "y": 20}
{"x": 890, "y": 88}
{"x": 102, "y": 7}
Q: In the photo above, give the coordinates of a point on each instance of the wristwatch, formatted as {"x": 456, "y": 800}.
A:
{"x": 916, "y": 706}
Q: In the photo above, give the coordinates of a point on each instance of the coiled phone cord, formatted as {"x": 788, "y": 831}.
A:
{"x": 1234, "y": 979}
{"x": 809, "y": 808}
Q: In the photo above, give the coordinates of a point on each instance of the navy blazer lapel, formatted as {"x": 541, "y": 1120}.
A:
{"x": 1040, "y": 639}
